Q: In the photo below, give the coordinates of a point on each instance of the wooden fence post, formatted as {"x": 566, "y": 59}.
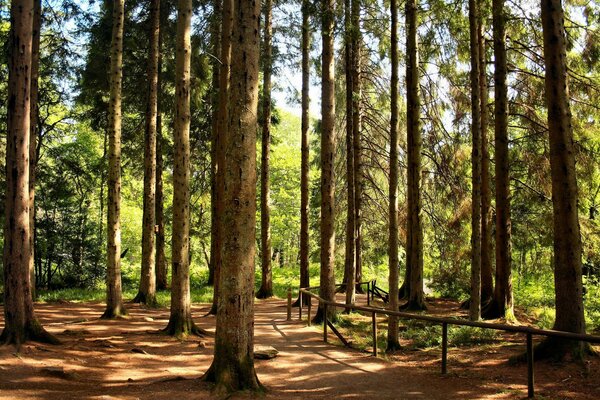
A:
{"x": 444, "y": 348}
{"x": 374, "y": 322}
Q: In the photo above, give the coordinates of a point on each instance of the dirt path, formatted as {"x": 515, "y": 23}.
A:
{"x": 127, "y": 360}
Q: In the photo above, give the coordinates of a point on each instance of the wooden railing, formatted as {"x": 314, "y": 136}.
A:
{"x": 529, "y": 331}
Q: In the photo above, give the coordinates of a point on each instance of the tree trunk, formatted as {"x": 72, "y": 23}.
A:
{"x": 180, "y": 321}
{"x": 266, "y": 286}
{"x": 414, "y": 250}
{"x": 356, "y": 132}
{"x": 327, "y": 277}
{"x": 350, "y": 255}
{"x": 233, "y": 365}
{"x": 34, "y": 132}
{"x": 114, "y": 301}
{"x": 19, "y": 317}
{"x": 161, "y": 259}
{"x": 305, "y": 166}
{"x": 392, "y": 336}
{"x": 475, "y": 300}
{"x": 567, "y": 238}
{"x": 487, "y": 283}
{"x": 222, "y": 121}
{"x": 147, "y": 291}
{"x": 502, "y": 303}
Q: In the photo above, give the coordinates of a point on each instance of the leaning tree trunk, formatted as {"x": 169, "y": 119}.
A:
{"x": 356, "y": 138}
{"x": 475, "y": 300}
{"x": 392, "y": 335}
{"x": 114, "y": 301}
{"x": 34, "y": 132}
{"x": 350, "y": 256}
{"x": 221, "y": 136}
{"x": 502, "y": 303}
{"x": 266, "y": 285}
{"x": 567, "y": 238}
{"x": 180, "y": 321}
{"x": 416, "y": 298}
{"x": 487, "y": 283}
{"x": 233, "y": 365}
{"x": 305, "y": 167}
{"x": 327, "y": 277}
{"x": 147, "y": 290}
{"x": 20, "y": 323}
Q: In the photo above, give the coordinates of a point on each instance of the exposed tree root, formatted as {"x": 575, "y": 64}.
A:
{"x": 143, "y": 298}
{"x": 33, "y": 331}
{"x": 118, "y": 312}
{"x": 183, "y": 327}
{"x": 264, "y": 293}
{"x": 230, "y": 380}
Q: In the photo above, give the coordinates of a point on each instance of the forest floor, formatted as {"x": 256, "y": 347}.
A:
{"x": 128, "y": 359}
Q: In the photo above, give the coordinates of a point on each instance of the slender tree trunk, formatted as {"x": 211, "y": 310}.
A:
{"x": 20, "y": 323}
{"x": 34, "y": 131}
{"x": 233, "y": 365}
{"x": 416, "y": 298}
{"x": 266, "y": 286}
{"x": 214, "y": 142}
{"x": 475, "y": 301}
{"x": 327, "y": 277}
{"x": 567, "y": 238}
{"x": 502, "y": 303}
{"x": 350, "y": 259}
{"x": 487, "y": 283}
{"x": 392, "y": 336}
{"x": 356, "y": 138}
{"x": 305, "y": 167}
{"x": 180, "y": 321}
{"x": 147, "y": 291}
{"x": 160, "y": 260}
{"x": 114, "y": 301}
{"x": 222, "y": 134}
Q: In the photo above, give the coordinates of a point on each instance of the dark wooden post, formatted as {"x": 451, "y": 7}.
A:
{"x": 300, "y": 305}
{"x": 369, "y": 293}
{"x": 289, "y": 304}
{"x": 530, "y": 390}
{"x": 374, "y": 321}
{"x": 308, "y": 312}
{"x": 325, "y": 322}
{"x": 444, "y": 348}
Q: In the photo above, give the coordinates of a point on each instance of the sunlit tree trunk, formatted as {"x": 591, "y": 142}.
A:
{"x": 502, "y": 302}
{"x": 180, "y": 320}
{"x": 20, "y": 323}
{"x": 266, "y": 285}
{"x": 567, "y": 238}
{"x": 233, "y": 365}
{"x": 414, "y": 251}
{"x": 327, "y": 277}
{"x": 392, "y": 335}
{"x": 147, "y": 290}
{"x": 475, "y": 300}
{"x": 114, "y": 301}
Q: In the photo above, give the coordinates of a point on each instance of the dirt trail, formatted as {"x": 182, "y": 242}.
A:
{"x": 127, "y": 359}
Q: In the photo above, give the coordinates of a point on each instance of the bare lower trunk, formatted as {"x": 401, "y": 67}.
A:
{"x": 147, "y": 290}
{"x": 567, "y": 237}
{"x": 416, "y": 300}
{"x": 114, "y": 301}
{"x": 327, "y": 278}
{"x": 233, "y": 365}
{"x": 266, "y": 284}
{"x": 180, "y": 320}
{"x": 20, "y": 323}
{"x": 392, "y": 335}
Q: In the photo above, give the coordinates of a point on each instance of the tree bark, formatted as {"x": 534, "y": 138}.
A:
{"x": 414, "y": 251}
{"x": 266, "y": 286}
{"x": 19, "y": 317}
{"x": 475, "y": 300}
{"x": 180, "y": 321}
{"x": 392, "y": 336}
{"x": 221, "y": 136}
{"x": 147, "y": 290}
{"x": 502, "y": 303}
{"x": 327, "y": 277}
{"x": 161, "y": 259}
{"x": 114, "y": 301}
{"x": 305, "y": 162}
{"x": 350, "y": 255}
{"x": 567, "y": 238}
{"x": 233, "y": 365}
